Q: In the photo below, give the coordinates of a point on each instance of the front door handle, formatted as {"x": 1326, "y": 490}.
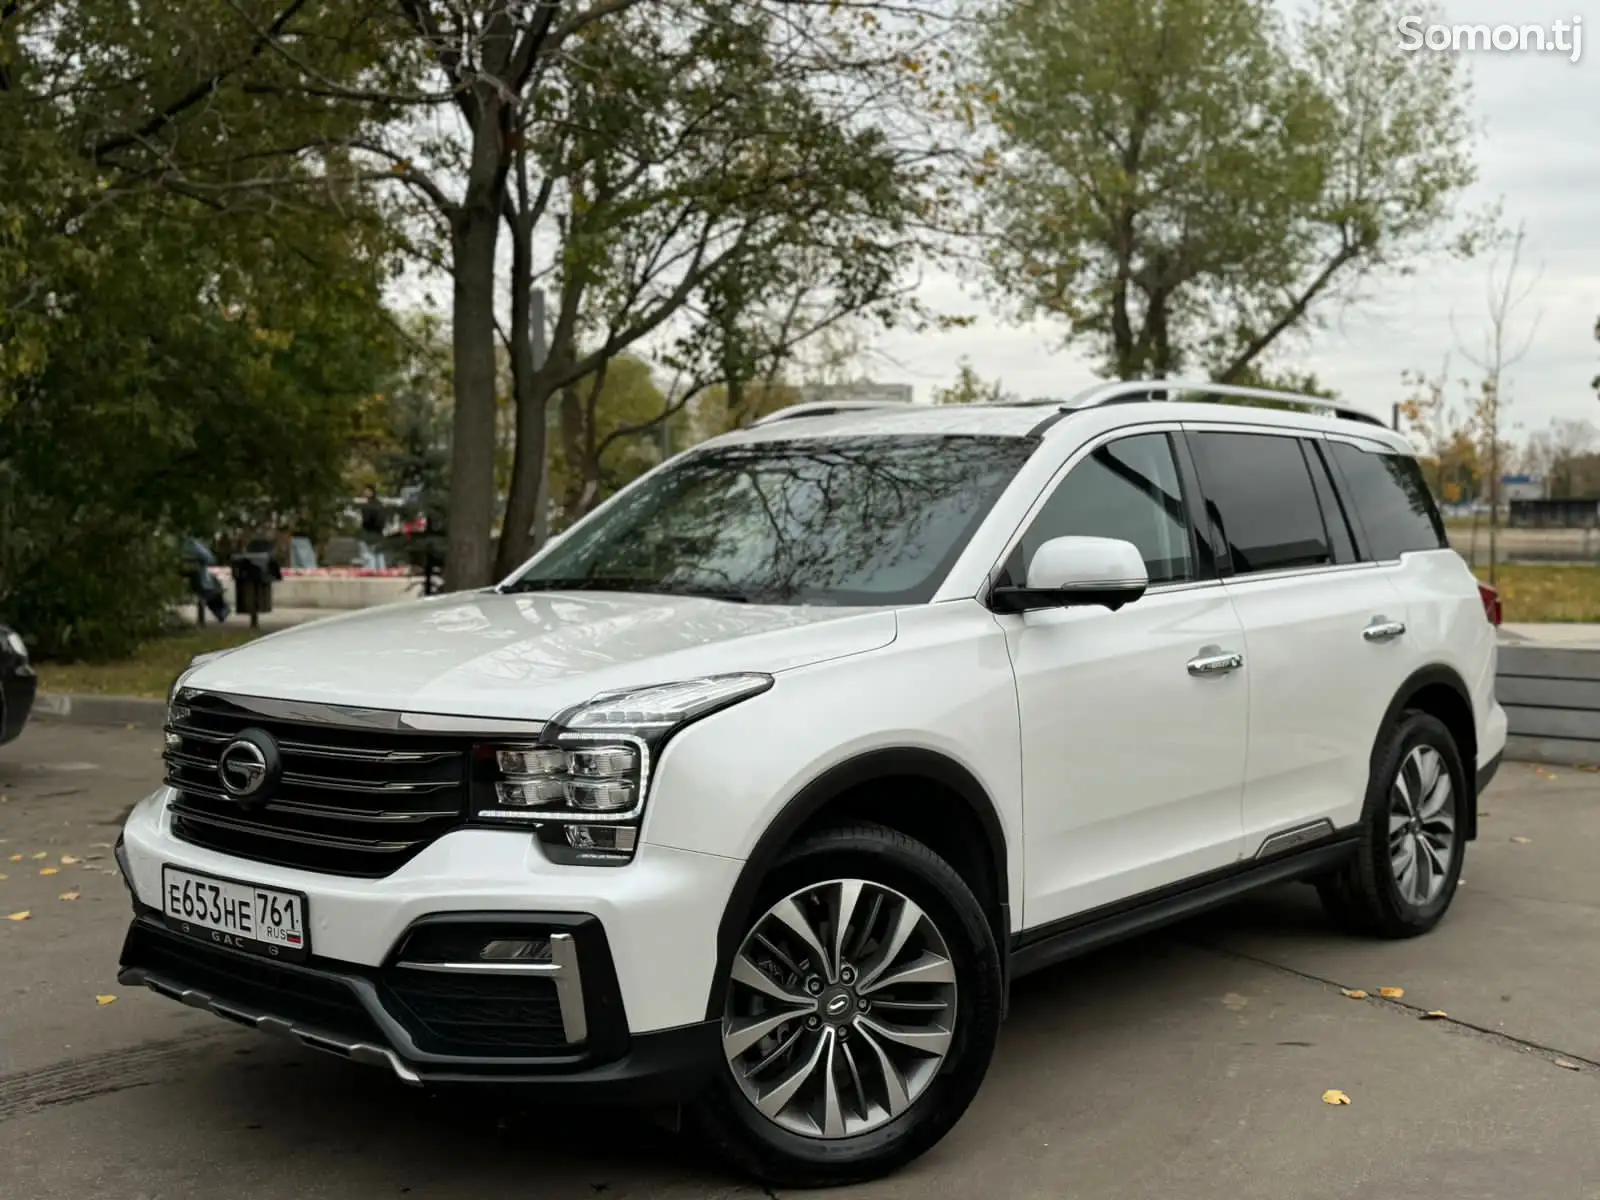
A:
{"x": 1381, "y": 629}
{"x": 1214, "y": 660}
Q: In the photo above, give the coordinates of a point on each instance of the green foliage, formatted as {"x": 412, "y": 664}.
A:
{"x": 594, "y": 454}
{"x": 971, "y": 388}
{"x": 413, "y": 456}
{"x": 1184, "y": 183}
{"x": 1303, "y": 383}
{"x": 171, "y": 360}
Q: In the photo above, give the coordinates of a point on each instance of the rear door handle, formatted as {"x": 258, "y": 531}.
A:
{"x": 1383, "y": 630}
{"x": 1214, "y": 660}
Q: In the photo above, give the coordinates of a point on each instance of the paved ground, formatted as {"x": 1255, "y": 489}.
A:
{"x": 1189, "y": 1064}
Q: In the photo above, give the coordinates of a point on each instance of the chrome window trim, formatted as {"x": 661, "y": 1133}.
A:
{"x": 1366, "y": 445}
{"x": 307, "y": 712}
{"x": 1299, "y": 572}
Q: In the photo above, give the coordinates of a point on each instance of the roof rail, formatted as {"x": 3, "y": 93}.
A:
{"x": 824, "y": 408}
{"x": 1135, "y": 390}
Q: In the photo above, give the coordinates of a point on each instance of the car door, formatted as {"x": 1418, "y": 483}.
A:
{"x": 1319, "y": 630}
{"x": 1132, "y": 749}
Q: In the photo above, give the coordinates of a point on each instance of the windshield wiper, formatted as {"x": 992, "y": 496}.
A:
{"x": 604, "y": 583}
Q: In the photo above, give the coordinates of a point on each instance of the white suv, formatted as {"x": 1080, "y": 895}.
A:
{"x": 756, "y": 790}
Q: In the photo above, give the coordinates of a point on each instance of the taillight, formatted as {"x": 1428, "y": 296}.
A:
{"x": 1491, "y": 602}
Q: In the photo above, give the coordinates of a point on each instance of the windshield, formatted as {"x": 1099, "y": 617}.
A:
{"x": 859, "y": 521}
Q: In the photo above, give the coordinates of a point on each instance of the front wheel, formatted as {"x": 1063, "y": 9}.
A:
{"x": 860, "y": 1012}
{"x": 1404, "y": 876}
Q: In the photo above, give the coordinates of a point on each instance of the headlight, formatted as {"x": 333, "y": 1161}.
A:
{"x": 583, "y": 785}
{"x": 15, "y": 644}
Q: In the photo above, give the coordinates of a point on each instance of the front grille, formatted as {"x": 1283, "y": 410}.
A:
{"x": 477, "y": 1014}
{"x": 350, "y": 801}
{"x": 279, "y": 989}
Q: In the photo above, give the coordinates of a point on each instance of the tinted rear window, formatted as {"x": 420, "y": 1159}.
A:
{"x": 1260, "y": 498}
{"x": 1391, "y": 500}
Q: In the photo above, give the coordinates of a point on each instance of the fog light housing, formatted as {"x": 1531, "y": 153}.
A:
{"x": 612, "y": 838}
{"x": 515, "y": 950}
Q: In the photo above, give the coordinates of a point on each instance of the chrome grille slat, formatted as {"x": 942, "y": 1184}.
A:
{"x": 189, "y": 760}
{"x": 355, "y": 800}
{"x": 325, "y": 811}
{"x": 371, "y": 756}
{"x": 358, "y": 845}
{"x": 387, "y": 788}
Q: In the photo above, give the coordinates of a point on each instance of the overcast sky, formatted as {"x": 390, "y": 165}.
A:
{"x": 1539, "y": 154}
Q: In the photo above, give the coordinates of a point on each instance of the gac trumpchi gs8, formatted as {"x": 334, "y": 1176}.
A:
{"x": 753, "y": 792}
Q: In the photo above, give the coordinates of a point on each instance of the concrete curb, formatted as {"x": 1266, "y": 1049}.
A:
{"x": 99, "y": 710}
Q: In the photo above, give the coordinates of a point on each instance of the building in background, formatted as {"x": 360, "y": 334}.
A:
{"x": 866, "y": 389}
{"x": 1521, "y": 487}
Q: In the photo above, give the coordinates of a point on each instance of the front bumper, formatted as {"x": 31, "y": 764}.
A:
{"x": 364, "y": 1016}
{"x": 622, "y": 1001}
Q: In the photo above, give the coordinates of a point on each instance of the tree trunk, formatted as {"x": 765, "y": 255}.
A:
{"x": 1158, "y": 337}
{"x": 474, "y": 234}
{"x": 531, "y": 392}
{"x": 572, "y": 444}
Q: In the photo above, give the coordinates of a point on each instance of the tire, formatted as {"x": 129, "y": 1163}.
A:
{"x": 1375, "y": 894}
{"x": 862, "y": 1129}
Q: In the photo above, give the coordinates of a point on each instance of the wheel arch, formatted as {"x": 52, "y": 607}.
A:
{"x": 1439, "y": 691}
{"x": 874, "y": 786}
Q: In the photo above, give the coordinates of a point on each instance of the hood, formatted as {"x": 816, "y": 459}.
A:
{"x": 529, "y": 656}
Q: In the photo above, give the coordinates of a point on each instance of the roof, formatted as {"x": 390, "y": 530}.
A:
{"x": 1110, "y": 404}
{"x": 995, "y": 420}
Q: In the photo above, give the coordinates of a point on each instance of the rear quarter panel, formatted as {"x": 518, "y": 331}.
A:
{"x": 1446, "y": 621}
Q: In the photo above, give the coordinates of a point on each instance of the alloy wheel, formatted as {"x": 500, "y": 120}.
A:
{"x": 841, "y": 1008}
{"x": 1422, "y": 825}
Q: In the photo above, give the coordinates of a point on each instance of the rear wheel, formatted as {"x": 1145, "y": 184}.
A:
{"x": 860, "y": 1013}
{"x": 1404, "y": 876}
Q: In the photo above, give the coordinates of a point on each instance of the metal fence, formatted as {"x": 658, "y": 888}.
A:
{"x": 1525, "y": 545}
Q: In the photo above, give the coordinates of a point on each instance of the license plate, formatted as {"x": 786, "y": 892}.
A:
{"x": 242, "y": 916}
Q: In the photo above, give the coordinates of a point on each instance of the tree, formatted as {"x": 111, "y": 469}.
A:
{"x": 677, "y": 157}
{"x": 1304, "y": 383}
{"x": 191, "y": 319}
{"x": 657, "y": 147}
{"x": 1190, "y": 181}
{"x": 203, "y": 385}
{"x": 971, "y": 388}
{"x": 1564, "y": 455}
{"x": 1451, "y": 462}
{"x": 1501, "y": 347}
{"x": 703, "y": 178}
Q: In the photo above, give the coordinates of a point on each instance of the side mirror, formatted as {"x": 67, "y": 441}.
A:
{"x": 1074, "y": 571}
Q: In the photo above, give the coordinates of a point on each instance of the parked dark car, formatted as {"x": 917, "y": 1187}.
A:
{"x": 17, "y": 684}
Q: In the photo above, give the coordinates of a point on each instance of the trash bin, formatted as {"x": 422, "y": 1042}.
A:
{"x": 253, "y": 573}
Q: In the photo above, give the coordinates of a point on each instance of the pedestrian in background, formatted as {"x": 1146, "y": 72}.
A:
{"x": 373, "y": 519}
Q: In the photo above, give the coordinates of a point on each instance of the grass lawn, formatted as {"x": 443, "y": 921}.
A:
{"x": 149, "y": 672}
{"x": 1531, "y": 592}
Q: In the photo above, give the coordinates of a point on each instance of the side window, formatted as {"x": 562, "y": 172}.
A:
{"x": 1333, "y": 512}
{"x": 1391, "y": 500}
{"x": 1260, "y": 496}
{"x": 1125, "y": 489}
